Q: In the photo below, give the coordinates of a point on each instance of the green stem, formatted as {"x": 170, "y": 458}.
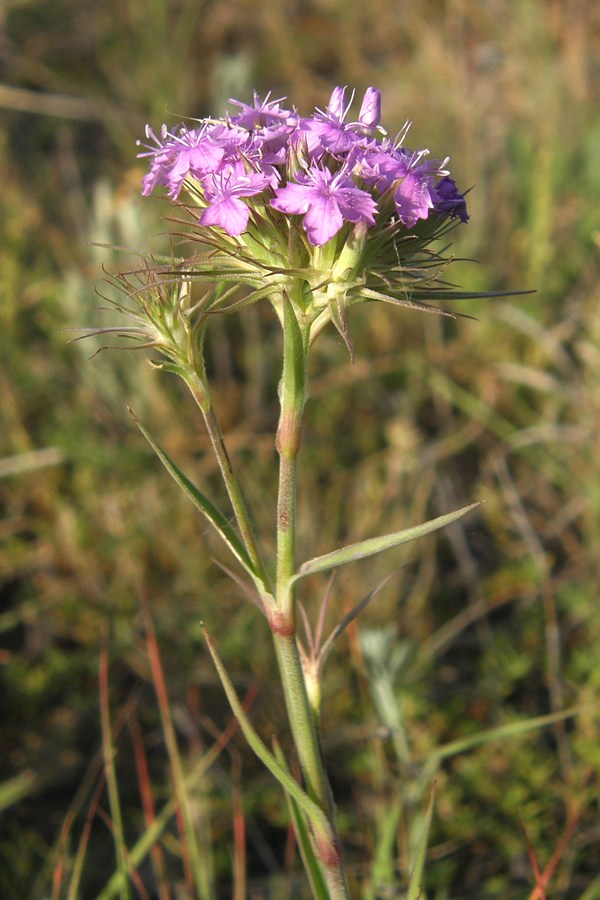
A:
{"x": 202, "y": 397}
{"x": 286, "y": 533}
{"x": 302, "y": 720}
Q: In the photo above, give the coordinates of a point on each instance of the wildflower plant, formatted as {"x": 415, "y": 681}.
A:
{"x": 313, "y": 215}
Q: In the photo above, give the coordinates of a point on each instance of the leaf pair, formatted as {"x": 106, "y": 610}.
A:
{"x": 351, "y": 553}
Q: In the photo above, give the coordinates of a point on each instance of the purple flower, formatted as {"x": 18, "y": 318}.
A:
{"x": 161, "y": 160}
{"x": 270, "y": 126}
{"x": 190, "y": 152}
{"x": 326, "y": 200}
{"x": 410, "y": 176}
{"x": 262, "y": 113}
{"x": 223, "y": 190}
{"x": 333, "y": 169}
{"x": 334, "y": 134}
{"x": 450, "y": 200}
{"x": 378, "y": 165}
{"x": 412, "y": 198}
{"x": 230, "y": 137}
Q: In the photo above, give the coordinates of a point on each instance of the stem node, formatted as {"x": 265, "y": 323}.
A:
{"x": 329, "y": 852}
{"x": 281, "y": 624}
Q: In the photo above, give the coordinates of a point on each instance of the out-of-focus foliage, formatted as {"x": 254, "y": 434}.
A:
{"x": 485, "y": 625}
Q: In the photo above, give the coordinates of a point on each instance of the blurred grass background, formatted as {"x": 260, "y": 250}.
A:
{"x": 486, "y": 624}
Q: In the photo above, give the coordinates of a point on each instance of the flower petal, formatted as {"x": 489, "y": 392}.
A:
{"x": 229, "y": 214}
{"x": 322, "y": 221}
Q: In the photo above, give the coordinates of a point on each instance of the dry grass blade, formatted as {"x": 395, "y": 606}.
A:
{"x": 109, "y": 753}
{"x": 195, "y": 870}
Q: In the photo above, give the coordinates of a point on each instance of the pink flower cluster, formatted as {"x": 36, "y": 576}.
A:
{"x": 326, "y": 168}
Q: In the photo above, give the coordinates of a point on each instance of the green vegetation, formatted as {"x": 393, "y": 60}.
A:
{"x": 467, "y": 666}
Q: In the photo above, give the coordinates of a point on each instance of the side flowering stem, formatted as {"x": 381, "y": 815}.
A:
{"x": 301, "y": 717}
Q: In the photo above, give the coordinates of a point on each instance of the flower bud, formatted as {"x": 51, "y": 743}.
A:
{"x": 370, "y": 111}
{"x": 336, "y": 102}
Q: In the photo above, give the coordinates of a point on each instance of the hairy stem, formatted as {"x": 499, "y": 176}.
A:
{"x": 302, "y": 719}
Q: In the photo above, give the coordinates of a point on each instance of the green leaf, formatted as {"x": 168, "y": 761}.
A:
{"x": 415, "y": 887}
{"x": 310, "y": 861}
{"x": 371, "y": 546}
{"x": 214, "y": 516}
{"x": 313, "y": 812}
{"x": 385, "y": 861}
{"x": 510, "y": 729}
{"x": 14, "y": 789}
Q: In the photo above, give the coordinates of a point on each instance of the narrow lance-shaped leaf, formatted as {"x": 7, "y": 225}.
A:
{"x": 215, "y": 517}
{"x": 314, "y": 813}
{"x": 348, "y": 618}
{"x": 510, "y": 729}
{"x": 371, "y": 546}
{"x": 311, "y": 863}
